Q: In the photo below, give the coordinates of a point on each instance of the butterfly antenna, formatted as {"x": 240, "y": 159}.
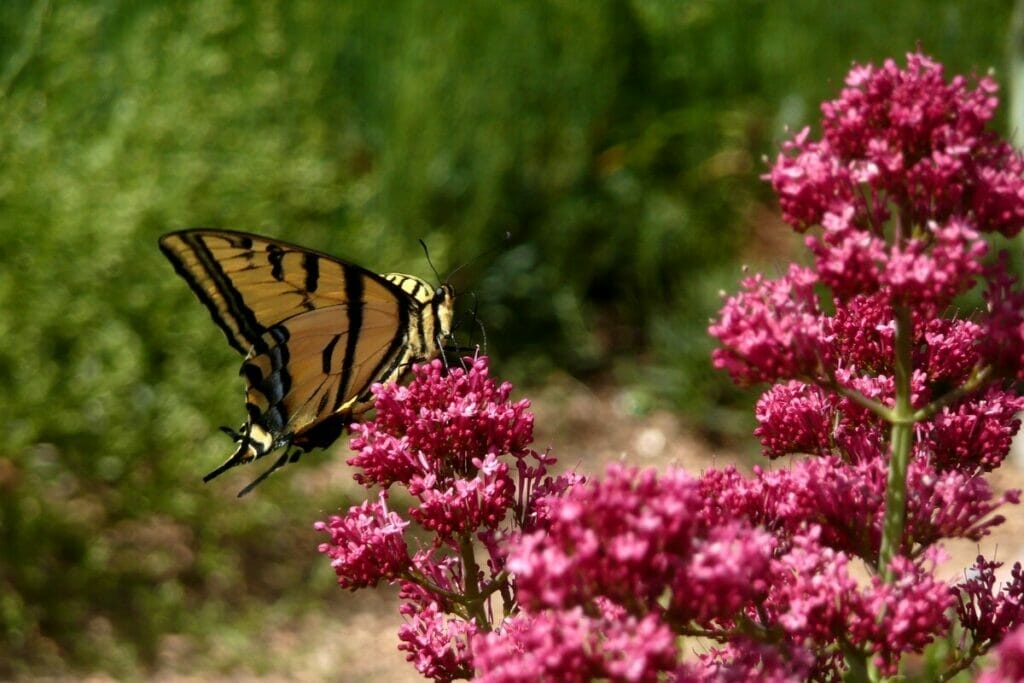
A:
{"x": 478, "y": 323}
{"x": 483, "y": 334}
{"x": 488, "y": 252}
{"x": 431, "y": 263}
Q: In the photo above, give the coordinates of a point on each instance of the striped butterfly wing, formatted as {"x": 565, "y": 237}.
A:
{"x": 317, "y": 332}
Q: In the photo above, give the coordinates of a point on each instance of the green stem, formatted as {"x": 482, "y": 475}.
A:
{"x": 458, "y": 600}
{"x": 962, "y": 663}
{"x": 858, "y": 669}
{"x": 878, "y": 408}
{"x": 900, "y": 442}
{"x": 496, "y": 584}
{"x": 979, "y": 377}
{"x": 470, "y": 571}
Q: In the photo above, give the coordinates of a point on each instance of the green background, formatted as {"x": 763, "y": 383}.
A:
{"x": 620, "y": 143}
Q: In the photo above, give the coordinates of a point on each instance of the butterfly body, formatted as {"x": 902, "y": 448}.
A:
{"x": 317, "y": 333}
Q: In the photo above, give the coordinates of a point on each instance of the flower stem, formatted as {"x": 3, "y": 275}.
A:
{"x": 900, "y": 442}
{"x": 978, "y": 378}
{"x": 858, "y": 667}
{"x": 470, "y": 576}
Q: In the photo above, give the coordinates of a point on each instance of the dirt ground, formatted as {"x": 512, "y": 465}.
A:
{"x": 586, "y": 430}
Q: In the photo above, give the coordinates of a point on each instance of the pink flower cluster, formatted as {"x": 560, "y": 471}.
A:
{"x": 367, "y": 544}
{"x": 437, "y": 643}
{"x": 637, "y": 554}
{"x": 988, "y": 615}
{"x": 573, "y": 645}
{"x": 439, "y": 423}
{"x": 459, "y": 446}
{"x": 898, "y": 406}
{"x": 903, "y": 183}
{"x": 915, "y": 142}
{"x": 771, "y": 330}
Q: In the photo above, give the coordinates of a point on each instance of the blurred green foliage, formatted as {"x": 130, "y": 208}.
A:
{"x": 620, "y": 142}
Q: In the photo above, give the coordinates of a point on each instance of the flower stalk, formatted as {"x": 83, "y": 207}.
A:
{"x": 901, "y": 441}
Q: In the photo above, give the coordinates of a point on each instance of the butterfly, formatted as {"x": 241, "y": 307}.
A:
{"x": 316, "y": 332}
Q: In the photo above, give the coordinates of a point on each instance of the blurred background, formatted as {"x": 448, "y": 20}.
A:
{"x": 620, "y": 142}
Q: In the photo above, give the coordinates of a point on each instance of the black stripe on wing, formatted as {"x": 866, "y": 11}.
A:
{"x": 398, "y": 356}
{"x": 247, "y": 330}
{"x": 354, "y": 294}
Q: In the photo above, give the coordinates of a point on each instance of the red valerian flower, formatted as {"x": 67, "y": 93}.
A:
{"x": 437, "y": 643}
{"x": 795, "y": 417}
{"x": 1002, "y": 334}
{"x": 916, "y": 141}
{"x": 896, "y": 402}
{"x": 743, "y": 659}
{"x": 437, "y": 426}
{"x": 367, "y": 544}
{"x": 903, "y": 615}
{"x": 773, "y": 330}
{"x": 974, "y": 434}
{"x": 988, "y": 615}
{"x": 574, "y": 646}
{"x": 621, "y": 538}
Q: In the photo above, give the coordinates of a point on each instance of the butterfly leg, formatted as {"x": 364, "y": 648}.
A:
{"x": 253, "y": 442}
{"x": 290, "y": 455}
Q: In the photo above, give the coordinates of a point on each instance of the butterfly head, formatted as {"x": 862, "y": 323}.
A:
{"x": 443, "y": 303}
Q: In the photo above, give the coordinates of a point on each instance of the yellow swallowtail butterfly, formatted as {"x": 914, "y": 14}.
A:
{"x": 316, "y": 333}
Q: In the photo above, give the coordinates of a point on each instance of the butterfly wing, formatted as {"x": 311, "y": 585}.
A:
{"x": 317, "y": 331}
{"x": 322, "y": 363}
{"x": 250, "y": 283}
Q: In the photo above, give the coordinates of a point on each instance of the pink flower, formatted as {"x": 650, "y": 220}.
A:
{"x": 438, "y": 644}
{"x": 367, "y": 545}
{"x": 849, "y": 262}
{"x": 439, "y": 425}
{"x": 727, "y": 570}
{"x": 1002, "y": 341}
{"x": 810, "y": 181}
{"x": 916, "y": 141}
{"x": 770, "y": 331}
{"x": 903, "y": 616}
{"x": 465, "y": 504}
{"x": 544, "y": 493}
{"x": 974, "y": 435}
{"x": 574, "y": 646}
{"x": 442, "y": 571}
{"x": 951, "y": 349}
{"x": 795, "y": 417}
{"x": 998, "y": 199}
{"x": 986, "y": 614}
{"x": 846, "y": 500}
{"x": 814, "y": 594}
{"x": 929, "y": 273}
{"x": 817, "y": 600}
{"x": 621, "y": 538}
{"x": 743, "y": 660}
{"x": 949, "y": 505}
{"x": 862, "y": 331}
